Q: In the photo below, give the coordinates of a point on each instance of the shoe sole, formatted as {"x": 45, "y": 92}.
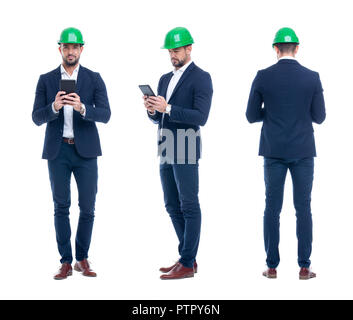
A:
{"x": 270, "y": 277}
{"x": 79, "y": 270}
{"x": 68, "y": 275}
{"x": 190, "y": 276}
{"x": 306, "y": 278}
{"x": 171, "y": 270}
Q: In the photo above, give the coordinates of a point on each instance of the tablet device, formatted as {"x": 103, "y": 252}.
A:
{"x": 146, "y": 90}
{"x": 69, "y": 86}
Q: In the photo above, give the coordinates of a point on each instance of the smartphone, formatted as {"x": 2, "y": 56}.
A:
{"x": 69, "y": 86}
{"x": 146, "y": 90}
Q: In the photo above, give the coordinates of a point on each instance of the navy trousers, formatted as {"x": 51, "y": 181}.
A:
{"x": 85, "y": 172}
{"x": 302, "y": 172}
{"x": 180, "y": 184}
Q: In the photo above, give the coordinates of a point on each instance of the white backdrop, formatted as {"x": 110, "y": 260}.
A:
{"x": 133, "y": 235}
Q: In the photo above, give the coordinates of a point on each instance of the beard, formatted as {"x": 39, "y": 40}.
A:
{"x": 71, "y": 63}
{"x": 178, "y": 63}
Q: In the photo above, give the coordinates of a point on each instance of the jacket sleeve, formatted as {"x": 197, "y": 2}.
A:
{"x": 198, "y": 115}
{"x": 157, "y": 116}
{"x": 318, "y": 113}
{"x": 42, "y": 111}
{"x": 100, "y": 110}
{"x": 254, "y": 111}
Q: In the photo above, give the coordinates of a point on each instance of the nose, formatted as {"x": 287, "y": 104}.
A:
{"x": 71, "y": 52}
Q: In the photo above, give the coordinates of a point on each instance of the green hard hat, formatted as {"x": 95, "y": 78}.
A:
{"x": 177, "y": 37}
{"x": 71, "y": 35}
{"x": 285, "y": 35}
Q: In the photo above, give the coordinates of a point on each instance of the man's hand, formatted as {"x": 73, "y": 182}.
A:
{"x": 73, "y": 99}
{"x": 158, "y": 103}
{"x": 148, "y": 105}
{"x": 59, "y": 100}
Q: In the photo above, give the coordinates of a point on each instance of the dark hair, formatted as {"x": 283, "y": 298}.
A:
{"x": 286, "y": 47}
{"x": 81, "y": 45}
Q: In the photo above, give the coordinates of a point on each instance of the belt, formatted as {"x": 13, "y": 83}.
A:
{"x": 69, "y": 140}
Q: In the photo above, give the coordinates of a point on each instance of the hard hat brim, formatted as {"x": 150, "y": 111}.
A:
{"x": 297, "y": 43}
{"x": 72, "y": 42}
{"x": 179, "y": 46}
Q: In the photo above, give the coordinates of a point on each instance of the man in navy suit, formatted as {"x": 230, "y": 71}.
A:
{"x": 182, "y": 106}
{"x": 292, "y": 99}
{"x": 72, "y": 145}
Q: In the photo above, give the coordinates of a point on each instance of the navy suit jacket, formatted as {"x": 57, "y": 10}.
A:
{"x": 93, "y": 94}
{"x": 293, "y": 99}
{"x": 191, "y": 103}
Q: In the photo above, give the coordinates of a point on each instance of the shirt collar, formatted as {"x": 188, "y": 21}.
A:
{"x": 183, "y": 68}
{"x": 62, "y": 69}
{"x": 287, "y": 57}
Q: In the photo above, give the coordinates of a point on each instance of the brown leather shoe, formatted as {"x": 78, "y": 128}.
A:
{"x": 306, "y": 274}
{"x": 178, "y": 272}
{"x": 64, "y": 272}
{"x": 270, "y": 273}
{"x": 166, "y": 270}
{"x": 83, "y": 266}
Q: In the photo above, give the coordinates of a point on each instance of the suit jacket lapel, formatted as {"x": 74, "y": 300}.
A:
{"x": 56, "y": 85}
{"x": 57, "y": 79}
{"x": 81, "y": 74}
{"x": 164, "y": 89}
{"x": 183, "y": 77}
{"x": 81, "y": 71}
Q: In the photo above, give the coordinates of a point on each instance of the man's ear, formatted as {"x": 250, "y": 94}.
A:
{"x": 276, "y": 49}
{"x": 296, "y": 49}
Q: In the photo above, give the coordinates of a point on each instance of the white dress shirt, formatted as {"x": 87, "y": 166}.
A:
{"x": 68, "y": 131}
{"x": 173, "y": 83}
{"x": 175, "y": 79}
{"x": 287, "y": 57}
